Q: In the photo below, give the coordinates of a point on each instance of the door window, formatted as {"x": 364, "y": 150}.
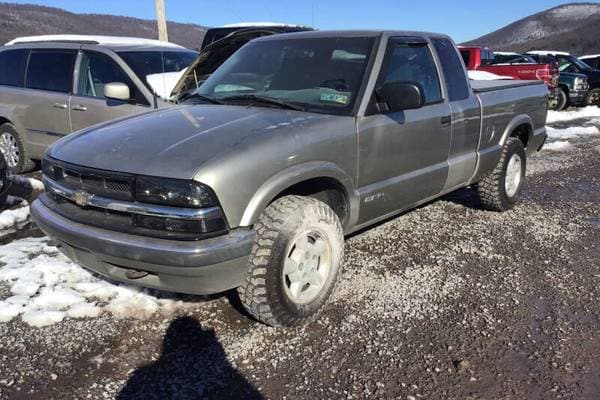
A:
{"x": 96, "y": 70}
{"x": 412, "y": 63}
{"x": 12, "y": 67}
{"x": 454, "y": 70}
{"x": 51, "y": 70}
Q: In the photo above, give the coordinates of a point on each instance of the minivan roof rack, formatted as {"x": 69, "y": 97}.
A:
{"x": 93, "y": 39}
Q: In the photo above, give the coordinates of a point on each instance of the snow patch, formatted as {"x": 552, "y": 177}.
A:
{"x": 558, "y": 146}
{"x": 10, "y": 218}
{"x": 561, "y": 116}
{"x": 571, "y": 132}
{"x": 47, "y": 288}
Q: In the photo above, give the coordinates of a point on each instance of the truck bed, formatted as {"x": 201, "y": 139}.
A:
{"x": 491, "y": 85}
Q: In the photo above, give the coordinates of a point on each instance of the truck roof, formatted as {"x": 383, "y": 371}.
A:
{"x": 349, "y": 33}
{"x": 548, "y": 53}
{"x": 108, "y": 41}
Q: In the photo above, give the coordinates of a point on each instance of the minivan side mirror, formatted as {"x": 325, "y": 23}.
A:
{"x": 399, "y": 96}
{"x": 116, "y": 91}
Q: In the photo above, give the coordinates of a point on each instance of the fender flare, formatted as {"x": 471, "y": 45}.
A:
{"x": 521, "y": 119}
{"x": 294, "y": 175}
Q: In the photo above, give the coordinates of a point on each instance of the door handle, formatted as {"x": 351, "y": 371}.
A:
{"x": 62, "y": 106}
{"x": 446, "y": 120}
{"x": 79, "y": 107}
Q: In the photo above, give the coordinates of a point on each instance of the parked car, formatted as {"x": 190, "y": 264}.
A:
{"x": 513, "y": 65}
{"x": 571, "y": 64}
{"x": 293, "y": 142}
{"x": 573, "y": 87}
{"x": 593, "y": 60}
{"x": 53, "y": 85}
{"x": 215, "y": 34}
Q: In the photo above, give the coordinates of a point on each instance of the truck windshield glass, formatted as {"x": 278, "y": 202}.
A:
{"x": 316, "y": 74}
{"x": 564, "y": 62}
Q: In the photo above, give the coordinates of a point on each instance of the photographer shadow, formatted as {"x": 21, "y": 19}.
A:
{"x": 192, "y": 365}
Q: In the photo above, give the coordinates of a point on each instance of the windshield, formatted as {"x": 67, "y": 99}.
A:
{"x": 316, "y": 74}
{"x": 564, "y": 62}
{"x": 149, "y": 63}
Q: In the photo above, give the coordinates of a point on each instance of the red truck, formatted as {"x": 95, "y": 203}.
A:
{"x": 523, "y": 68}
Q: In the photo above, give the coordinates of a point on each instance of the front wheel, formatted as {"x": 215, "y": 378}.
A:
{"x": 295, "y": 261}
{"x": 593, "y": 97}
{"x": 13, "y": 150}
{"x": 501, "y": 189}
{"x": 559, "y": 101}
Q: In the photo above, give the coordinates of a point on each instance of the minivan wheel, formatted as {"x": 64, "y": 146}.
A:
{"x": 13, "y": 150}
{"x": 500, "y": 190}
{"x": 295, "y": 262}
{"x": 593, "y": 97}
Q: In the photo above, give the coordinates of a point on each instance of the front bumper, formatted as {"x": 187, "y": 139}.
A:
{"x": 578, "y": 97}
{"x": 200, "y": 267}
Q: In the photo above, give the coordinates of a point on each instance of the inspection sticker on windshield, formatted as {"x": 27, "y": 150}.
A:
{"x": 334, "y": 98}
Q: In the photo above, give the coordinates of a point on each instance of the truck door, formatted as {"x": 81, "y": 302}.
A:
{"x": 465, "y": 108}
{"x": 88, "y": 104}
{"x": 403, "y": 155}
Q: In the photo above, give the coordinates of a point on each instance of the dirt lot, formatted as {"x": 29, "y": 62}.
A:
{"x": 444, "y": 302}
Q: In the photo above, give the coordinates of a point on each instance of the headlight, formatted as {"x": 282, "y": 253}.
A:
{"x": 173, "y": 192}
{"x": 580, "y": 83}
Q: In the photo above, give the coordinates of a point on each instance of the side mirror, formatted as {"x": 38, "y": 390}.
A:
{"x": 116, "y": 91}
{"x": 399, "y": 96}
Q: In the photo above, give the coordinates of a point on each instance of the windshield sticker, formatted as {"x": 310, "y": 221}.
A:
{"x": 335, "y": 98}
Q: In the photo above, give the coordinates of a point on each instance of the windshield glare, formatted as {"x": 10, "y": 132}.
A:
{"x": 316, "y": 74}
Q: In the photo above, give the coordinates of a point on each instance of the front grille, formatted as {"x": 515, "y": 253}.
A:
{"x": 100, "y": 182}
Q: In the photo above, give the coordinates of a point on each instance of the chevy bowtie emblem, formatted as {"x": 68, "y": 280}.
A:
{"x": 82, "y": 198}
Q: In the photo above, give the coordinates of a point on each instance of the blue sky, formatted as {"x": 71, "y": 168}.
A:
{"x": 462, "y": 19}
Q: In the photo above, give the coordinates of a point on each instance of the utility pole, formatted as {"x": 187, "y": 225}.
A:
{"x": 162, "y": 20}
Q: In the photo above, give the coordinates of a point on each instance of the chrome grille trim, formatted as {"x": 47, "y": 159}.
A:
{"x": 153, "y": 210}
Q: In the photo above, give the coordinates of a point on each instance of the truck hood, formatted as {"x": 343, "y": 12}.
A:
{"x": 177, "y": 141}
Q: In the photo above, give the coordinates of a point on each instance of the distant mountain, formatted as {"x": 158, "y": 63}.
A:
{"x": 24, "y": 20}
{"x": 573, "y": 27}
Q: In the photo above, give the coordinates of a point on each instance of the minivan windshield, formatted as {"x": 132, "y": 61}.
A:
{"x": 312, "y": 74}
{"x": 164, "y": 66}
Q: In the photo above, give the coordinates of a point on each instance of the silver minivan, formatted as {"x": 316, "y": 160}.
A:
{"x": 53, "y": 85}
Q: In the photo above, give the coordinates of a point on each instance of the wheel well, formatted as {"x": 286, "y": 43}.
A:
{"x": 4, "y": 121}
{"x": 328, "y": 190}
{"x": 523, "y": 132}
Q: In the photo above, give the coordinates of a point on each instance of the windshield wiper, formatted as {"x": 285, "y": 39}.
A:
{"x": 190, "y": 94}
{"x": 252, "y": 98}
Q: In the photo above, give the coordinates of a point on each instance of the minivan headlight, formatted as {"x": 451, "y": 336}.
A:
{"x": 173, "y": 192}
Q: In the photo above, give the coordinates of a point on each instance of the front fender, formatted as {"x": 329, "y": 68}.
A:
{"x": 294, "y": 175}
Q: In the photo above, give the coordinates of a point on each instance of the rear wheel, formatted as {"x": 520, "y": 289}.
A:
{"x": 13, "y": 150}
{"x": 500, "y": 190}
{"x": 295, "y": 261}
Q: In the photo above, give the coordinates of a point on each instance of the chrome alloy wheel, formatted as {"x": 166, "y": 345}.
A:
{"x": 10, "y": 149}
{"x": 307, "y": 267}
{"x": 513, "y": 175}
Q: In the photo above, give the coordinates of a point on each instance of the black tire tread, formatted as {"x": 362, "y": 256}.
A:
{"x": 253, "y": 292}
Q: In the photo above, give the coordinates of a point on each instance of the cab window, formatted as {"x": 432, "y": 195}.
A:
{"x": 412, "y": 63}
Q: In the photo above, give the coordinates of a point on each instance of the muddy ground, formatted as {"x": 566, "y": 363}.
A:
{"x": 444, "y": 302}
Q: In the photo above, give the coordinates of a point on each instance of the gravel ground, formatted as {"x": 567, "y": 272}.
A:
{"x": 444, "y": 302}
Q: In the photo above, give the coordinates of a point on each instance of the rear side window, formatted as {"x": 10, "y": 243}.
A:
{"x": 51, "y": 70}
{"x": 12, "y": 67}
{"x": 453, "y": 68}
{"x": 412, "y": 63}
